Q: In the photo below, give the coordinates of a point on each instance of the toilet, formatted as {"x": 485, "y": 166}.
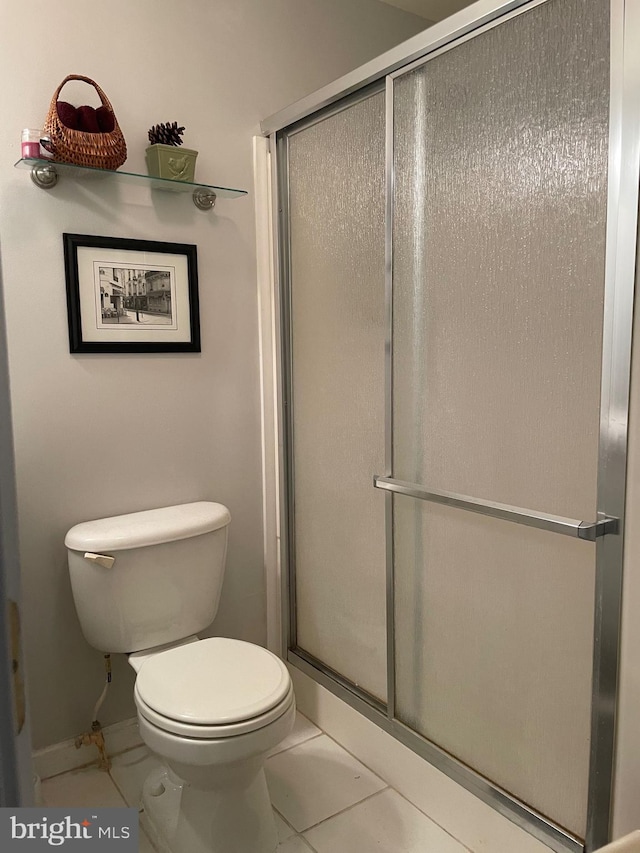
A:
{"x": 145, "y": 584}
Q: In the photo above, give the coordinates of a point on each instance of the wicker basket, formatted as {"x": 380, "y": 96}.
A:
{"x": 99, "y": 150}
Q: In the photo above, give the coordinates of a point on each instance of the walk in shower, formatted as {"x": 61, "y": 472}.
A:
{"x": 454, "y": 349}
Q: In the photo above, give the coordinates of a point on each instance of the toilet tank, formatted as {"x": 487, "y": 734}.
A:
{"x": 165, "y": 580}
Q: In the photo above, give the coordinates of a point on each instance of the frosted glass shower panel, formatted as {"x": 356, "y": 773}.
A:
{"x": 494, "y": 650}
{"x": 499, "y": 230}
{"x": 500, "y": 156}
{"x": 336, "y": 209}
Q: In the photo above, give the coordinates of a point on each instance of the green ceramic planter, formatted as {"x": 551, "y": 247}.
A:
{"x": 172, "y": 162}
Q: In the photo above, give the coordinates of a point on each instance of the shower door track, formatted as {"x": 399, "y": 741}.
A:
{"x": 621, "y": 239}
{"x": 536, "y": 824}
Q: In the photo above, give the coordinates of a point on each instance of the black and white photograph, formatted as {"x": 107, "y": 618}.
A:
{"x": 131, "y": 295}
{"x": 135, "y": 295}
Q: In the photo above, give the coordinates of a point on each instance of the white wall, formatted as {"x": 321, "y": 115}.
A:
{"x": 101, "y": 435}
{"x": 431, "y": 10}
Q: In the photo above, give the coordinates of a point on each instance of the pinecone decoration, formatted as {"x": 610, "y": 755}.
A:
{"x": 166, "y": 134}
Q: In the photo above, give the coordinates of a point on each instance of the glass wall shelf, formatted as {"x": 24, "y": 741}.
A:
{"x": 45, "y": 174}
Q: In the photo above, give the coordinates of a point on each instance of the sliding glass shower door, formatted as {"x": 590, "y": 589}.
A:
{"x": 443, "y": 249}
{"x": 500, "y": 164}
{"x": 337, "y": 328}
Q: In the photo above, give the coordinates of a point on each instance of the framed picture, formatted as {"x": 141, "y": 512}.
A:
{"x": 131, "y": 295}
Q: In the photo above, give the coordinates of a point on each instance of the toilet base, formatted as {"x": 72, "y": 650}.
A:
{"x": 159, "y": 813}
{"x": 182, "y": 819}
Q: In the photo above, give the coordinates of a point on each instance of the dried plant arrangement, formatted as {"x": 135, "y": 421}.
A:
{"x": 166, "y": 134}
{"x": 163, "y": 161}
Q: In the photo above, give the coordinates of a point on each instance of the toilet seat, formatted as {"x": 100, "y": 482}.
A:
{"x": 202, "y": 732}
{"x": 213, "y": 688}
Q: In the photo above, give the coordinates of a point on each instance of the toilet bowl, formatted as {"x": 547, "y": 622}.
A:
{"x": 145, "y": 584}
{"x": 211, "y": 709}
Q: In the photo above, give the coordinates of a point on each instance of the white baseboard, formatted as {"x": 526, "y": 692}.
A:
{"x": 62, "y": 757}
{"x": 465, "y": 817}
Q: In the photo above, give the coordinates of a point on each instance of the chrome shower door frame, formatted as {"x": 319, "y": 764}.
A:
{"x": 620, "y": 273}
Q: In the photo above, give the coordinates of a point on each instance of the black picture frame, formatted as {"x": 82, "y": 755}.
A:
{"x": 131, "y": 296}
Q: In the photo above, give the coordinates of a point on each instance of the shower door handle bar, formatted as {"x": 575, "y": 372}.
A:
{"x": 589, "y": 530}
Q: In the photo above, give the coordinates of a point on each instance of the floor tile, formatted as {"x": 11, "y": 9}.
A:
{"x": 130, "y": 769}
{"x": 386, "y": 823}
{"x": 294, "y": 845}
{"x": 303, "y": 729}
{"x": 315, "y": 780}
{"x": 91, "y": 787}
{"x": 284, "y": 830}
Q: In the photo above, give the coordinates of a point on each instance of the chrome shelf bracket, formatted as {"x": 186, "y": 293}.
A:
{"x": 44, "y": 177}
{"x": 204, "y": 199}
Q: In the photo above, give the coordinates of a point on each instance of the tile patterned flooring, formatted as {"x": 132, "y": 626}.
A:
{"x": 324, "y": 799}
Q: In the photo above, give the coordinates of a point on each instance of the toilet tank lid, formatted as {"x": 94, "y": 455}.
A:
{"x": 150, "y": 527}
